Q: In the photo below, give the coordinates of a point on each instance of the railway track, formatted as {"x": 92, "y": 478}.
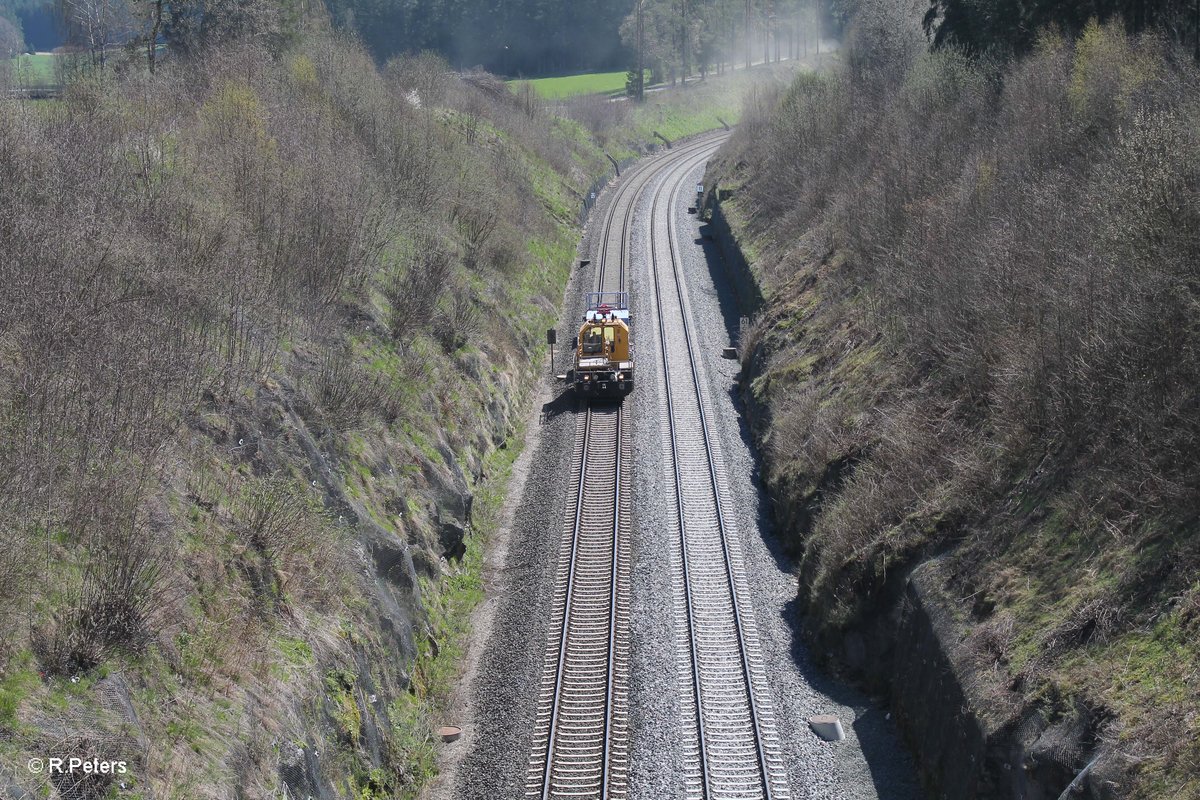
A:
{"x": 616, "y": 241}
{"x": 727, "y": 711}
{"x": 581, "y": 736}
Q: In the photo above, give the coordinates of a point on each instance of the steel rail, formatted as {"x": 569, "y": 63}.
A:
{"x": 564, "y": 636}
{"x": 587, "y": 467}
{"x": 670, "y": 187}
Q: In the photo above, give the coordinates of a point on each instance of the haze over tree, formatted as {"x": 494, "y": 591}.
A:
{"x": 11, "y": 40}
{"x": 677, "y": 38}
{"x": 524, "y": 37}
{"x": 1005, "y": 25}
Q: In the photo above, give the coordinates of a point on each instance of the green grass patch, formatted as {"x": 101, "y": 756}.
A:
{"x": 412, "y": 728}
{"x": 15, "y": 687}
{"x": 296, "y": 652}
{"x": 575, "y": 85}
{"x": 34, "y": 69}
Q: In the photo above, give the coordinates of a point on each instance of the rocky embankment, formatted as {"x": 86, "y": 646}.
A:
{"x": 259, "y": 396}
{"x": 916, "y": 636}
{"x": 973, "y": 379}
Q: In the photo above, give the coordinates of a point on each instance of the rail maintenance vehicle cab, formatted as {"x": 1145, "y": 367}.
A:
{"x": 603, "y": 357}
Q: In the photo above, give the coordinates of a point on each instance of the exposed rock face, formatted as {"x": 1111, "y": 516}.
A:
{"x": 429, "y": 515}
{"x": 300, "y": 770}
{"x": 451, "y": 497}
{"x": 926, "y": 691}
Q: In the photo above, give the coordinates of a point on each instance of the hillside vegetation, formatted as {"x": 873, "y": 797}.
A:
{"x": 260, "y": 351}
{"x": 980, "y": 344}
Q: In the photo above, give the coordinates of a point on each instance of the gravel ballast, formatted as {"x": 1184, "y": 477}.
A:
{"x": 490, "y": 762}
{"x": 871, "y": 762}
{"x": 492, "y": 758}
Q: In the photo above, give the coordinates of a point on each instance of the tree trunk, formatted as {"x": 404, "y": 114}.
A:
{"x": 152, "y": 45}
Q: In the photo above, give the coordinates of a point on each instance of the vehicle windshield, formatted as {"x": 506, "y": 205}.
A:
{"x": 593, "y": 342}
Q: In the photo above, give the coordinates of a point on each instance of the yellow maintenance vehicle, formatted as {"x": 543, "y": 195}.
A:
{"x": 603, "y": 354}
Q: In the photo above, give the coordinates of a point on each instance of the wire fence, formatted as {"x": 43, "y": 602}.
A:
{"x": 593, "y": 193}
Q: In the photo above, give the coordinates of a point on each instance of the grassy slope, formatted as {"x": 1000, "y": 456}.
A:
{"x": 573, "y": 85}
{"x": 310, "y": 641}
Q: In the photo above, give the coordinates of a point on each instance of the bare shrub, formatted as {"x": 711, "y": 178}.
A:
{"x": 598, "y": 114}
{"x": 414, "y": 290}
{"x": 530, "y": 101}
{"x": 426, "y": 73}
{"x": 347, "y": 395}
{"x": 11, "y": 42}
{"x": 458, "y": 322}
{"x": 1092, "y": 621}
{"x": 301, "y": 546}
{"x": 808, "y": 434}
{"x": 78, "y": 784}
{"x": 750, "y": 336}
{"x": 991, "y": 641}
{"x": 274, "y": 516}
{"x": 114, "y": 604}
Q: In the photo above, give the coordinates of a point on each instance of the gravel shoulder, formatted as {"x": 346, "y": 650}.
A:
{"x": 871, "y": 762}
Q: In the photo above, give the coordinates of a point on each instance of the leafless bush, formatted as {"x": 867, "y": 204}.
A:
{"x": 983, "y": 661}
{"x": 414, "y": 290}
{"x": 78, "y": 784}
{"x": 1092, "y": 621}
{"x": 275, "y": 516}
{"x": 347, "y": 395}
{"x": 426, "y": 74}
{"x": 531, "y": 102}
{"x": 598, "y": 114}
{"x": 991, "y": 641}
{"x": 11, "y": 42}
{"x": 751, "y": 335}
{"x": 114, "y": 605}
{"x": 808, "y": 434}
{"x": 458, "y": 322}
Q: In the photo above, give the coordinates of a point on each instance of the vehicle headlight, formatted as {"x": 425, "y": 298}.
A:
{"x": 620, "y": 376}
{"x": 626, "y": 365}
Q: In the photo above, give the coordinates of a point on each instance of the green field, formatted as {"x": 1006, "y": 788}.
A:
{"x": 573, "y": 85}
{"x": 34, "y": 70}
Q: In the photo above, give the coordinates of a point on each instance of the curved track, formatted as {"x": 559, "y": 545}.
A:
{"x": 736, "y": 752}
{"x": 581, "y": 736}
{"x": 615, "y": 243}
